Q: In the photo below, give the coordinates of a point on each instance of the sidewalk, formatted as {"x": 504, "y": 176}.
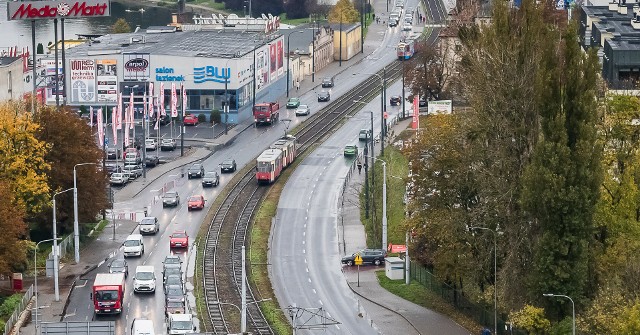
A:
{"x": 390, "y": 313}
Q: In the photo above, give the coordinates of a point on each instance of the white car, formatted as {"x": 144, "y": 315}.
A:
{"x": 303, "y": 110}
{"x": 119, "y": 179}
{"x": 145, "y": 279}
{"x": 407, "y": 27}
{"x": 150, "y": 144}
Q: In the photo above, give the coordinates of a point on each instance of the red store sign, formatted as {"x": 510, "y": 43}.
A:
{"x": 37, "y": 10}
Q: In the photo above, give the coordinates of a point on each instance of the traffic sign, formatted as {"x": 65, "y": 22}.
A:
{"x": 106, "y": 141}
{"x": 358, "y": 259}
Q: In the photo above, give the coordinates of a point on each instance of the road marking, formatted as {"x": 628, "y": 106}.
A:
{"x": 304, "y": 233}
{"x": 320, "y": 301}
{"x": 309, "y": 279}
{"x": 314, "y": 291}
{"x": 303, "y": 242}
{"x": 307, "y": 269}
{"x": 304, "y": 251}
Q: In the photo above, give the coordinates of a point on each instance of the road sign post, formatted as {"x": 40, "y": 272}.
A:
{"x": 358, "y": 261}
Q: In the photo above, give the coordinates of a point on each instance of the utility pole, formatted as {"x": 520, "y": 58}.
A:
{"x": 243, "y": 328}
{"x": 366, "y": 181}
{"x": 57, "y": 86}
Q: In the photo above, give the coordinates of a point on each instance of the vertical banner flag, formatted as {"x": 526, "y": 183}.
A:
{"x": 100, "y": 129}
{"x": 184, "y": 100}
{"x": 114, "y": 127}
{"x": 415, "y": 124}
{"x": 131, "y": 118}
{"x": 174, "y": 101}
{"x": 151, "y": 96}
{"x": 91, "y": 116}
{"x": 118, "y": 117}
{"x": 161, "y": 102}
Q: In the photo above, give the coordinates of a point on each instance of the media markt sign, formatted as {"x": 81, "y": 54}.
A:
{"x": 37, "y": 10}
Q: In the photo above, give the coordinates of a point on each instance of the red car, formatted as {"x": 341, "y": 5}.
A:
{"x": 190, "y": 120}
{"x": 196, "y": 202}
{"x": 179, "y": 239}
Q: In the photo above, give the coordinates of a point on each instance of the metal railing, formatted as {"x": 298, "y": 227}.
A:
{"x": 64, "y": 246}
{"x": 19, "y": 309}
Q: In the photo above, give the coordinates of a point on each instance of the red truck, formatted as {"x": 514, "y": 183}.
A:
{"x": 108, "y": 293}
{"x": 266, "y": 112}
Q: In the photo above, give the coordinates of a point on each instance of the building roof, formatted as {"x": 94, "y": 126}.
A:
{"x": 4, "y": 60}
{"x": 624, "y": 44}
{"x": 298, "y": 41}
{"x": 348, "y": 27}
{"x": 211, "y": 44}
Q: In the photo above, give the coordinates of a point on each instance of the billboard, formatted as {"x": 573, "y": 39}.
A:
{"x": 280, "y": 57}
{"x": 107, "y": 77}
{"x": 137, "y": 67}
{"x": 262, "y": 68}
{"x": 273, "y": 61}
{"x": 82, "y": 80}
{"x": 38, "y": 10}
{"x": 47, "y": 72}
{"x": 440, "y": 107}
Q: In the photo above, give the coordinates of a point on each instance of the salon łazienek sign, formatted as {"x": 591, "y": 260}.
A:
{"x": 38, "y": 10}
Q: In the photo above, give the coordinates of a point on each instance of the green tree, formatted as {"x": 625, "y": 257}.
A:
{"x": 344, "y": 11}
{"x": 72, "y": 142}
{"x": 120, "y": 26}
{"x": 531, "y": 319}
{"x": 561, "y": 185}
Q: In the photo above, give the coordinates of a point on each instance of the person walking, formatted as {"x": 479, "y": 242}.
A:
{"x": 297, "y": 84}
{"x": 359, "y": 167}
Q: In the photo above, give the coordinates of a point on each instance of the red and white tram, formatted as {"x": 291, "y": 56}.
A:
{"x": 269, "y": 166}
{"x": 288, "y": 145}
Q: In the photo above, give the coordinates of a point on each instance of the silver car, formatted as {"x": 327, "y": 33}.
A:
{"x": 119, "y": 179}
{"x": 303, "y": 110}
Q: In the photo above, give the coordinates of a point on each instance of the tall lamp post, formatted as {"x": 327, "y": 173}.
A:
{"x": 35, "y": 277}
{"x": 366, "y": 165}
{"x": 289, "y": 56}
{"x": 495, "y": 277}
{"x": 384, "y": 202}
{"x": 573, "y": 308}
{"x": 55, "y": 247}
{"x": 226, "y": 96}
{"x": 382, "y": 107}
{"x": 76, "y": 231}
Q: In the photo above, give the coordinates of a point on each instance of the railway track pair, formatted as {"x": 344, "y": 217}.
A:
{"x": 227, "y": 231}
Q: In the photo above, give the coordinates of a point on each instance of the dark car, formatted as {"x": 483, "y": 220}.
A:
{"x": 195, "y": 171}
{"x": 151, "y": 161}
{"x": 112, "y": 168}
{"x": 119, "y": 266}
{"x": 210, "y": 179}
{"x": 171, "y": 261}
{"x": 327, "y": 82}
{"x": 168, "y": 272}
{"x": 170, "y": 199}
{"x": 113, "y": 153}
{"x": 369, "y": 256}
{"x": 164, "y": 120}
{"x": 174, "y": 293}
{"x": 395, "y": 100}
{"x": 324, "y": 96}
{"x": 228, "y": 165}
{"x": 174, "y": 307}
{"x": 172, "y": 279}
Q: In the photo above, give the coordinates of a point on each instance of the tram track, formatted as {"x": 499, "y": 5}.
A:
{"x": 227, "y": 231}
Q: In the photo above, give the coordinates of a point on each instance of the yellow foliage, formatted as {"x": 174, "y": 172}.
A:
{"x": 23, "y": 165}
{"x": 344, "y": 11}
{"x": 531, "y": 319}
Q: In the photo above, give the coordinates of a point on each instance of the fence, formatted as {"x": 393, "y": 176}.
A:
{"x": 19, "y": 309}
{"x": 64, "y": 246}
{"x": 481, "y": 314}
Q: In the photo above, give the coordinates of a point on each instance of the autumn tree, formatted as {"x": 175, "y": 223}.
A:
{"x": 120, "y": 26}
{"x": 23, "y": 166}
{"x": 344, "y": 12}
{"x": 428, "y": 72}
{"x": 72, "y": 142}
{"x": 14, "y": 231}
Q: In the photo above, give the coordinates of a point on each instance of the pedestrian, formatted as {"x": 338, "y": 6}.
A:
{"x": 374, "y": 16}
{"x": 359, "y": 167}
{"x": 297, "y": 84}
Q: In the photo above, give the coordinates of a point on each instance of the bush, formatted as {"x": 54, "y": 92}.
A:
{"x": 10, "y": 304}
{"x": 215, "y": 117}
{"x": 202, "y": 118}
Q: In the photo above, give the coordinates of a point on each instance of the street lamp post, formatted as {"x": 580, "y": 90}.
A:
{"x": 76, "y": 231}
{"x": 35, "y": 277}
{"x": 289, "y": 56}
{"x": 384, "y": 202}
{"x": 55, "y": 247}
{"x": 495, "y": 276}
{"x": 226, "y": 98}
{"x": 382, "y": 108}
{"x": 573, "y": 308}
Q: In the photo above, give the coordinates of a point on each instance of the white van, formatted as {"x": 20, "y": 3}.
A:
{"x": 133, "y": 245}
{"x": 145, "y": 279}
{"x": 142, "y": 327}
{"x": 132, "y": 158}
{"x": 180, "y": 324}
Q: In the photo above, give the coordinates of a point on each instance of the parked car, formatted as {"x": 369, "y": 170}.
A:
{"x": 395, "y": 100}
{"x": 351, "y": 150}
{"x": 190, "y": 120}
{"x": 195, "y": 202}
{"x": 364, "y": 135}
{"x": 113, "y": 153}
{"x": 179, "y": 239}
{"x": 119, "y": 179}
{"x": 174, "y": 293}
{"x": 132, "y": 158}
{"x": 150, "y": 144}
{"x": 149, "y": 225}
{"x": 324, "y": 96}
{"x": 119, "y": 266}
{"x": 170, "y": 198}
{"x": 151, "y": 161}
{"x": 174, "y": 307}
{"x": 164, "y": 120}
{"x": 134, "y": 171}
{"x": 210, "y": 179}
{"x": 195, "y": 171}
{"x": 303, "y": 110}
{"x": 327, "y": 82}
{"x": 112, "y": 168}
{"x": 369, "y": 256}
{"x": 228, "y": 165}
{"x": 168, "y": 144}
{"x": 293, "y": 103}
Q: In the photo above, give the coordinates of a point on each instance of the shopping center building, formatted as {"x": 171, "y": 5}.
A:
{"x": 207, "y": 63}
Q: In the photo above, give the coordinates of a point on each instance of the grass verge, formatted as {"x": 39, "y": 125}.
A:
{"x": 420, "y": 295}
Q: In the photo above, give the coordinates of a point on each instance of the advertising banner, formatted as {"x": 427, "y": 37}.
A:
{"x": 136, "y": 67}
{"x": 107, "y": 80}
{"x": 280, "y": 58}
{"x": 440, "y": 107}
{"x": 47, "y": 72}
{"x": 39, "y": 10}
{"x": 273, "y": 61}
{"x": 262, "y": 68}
{"x": 415, "y": 124}
{"x": 82, "y": 80}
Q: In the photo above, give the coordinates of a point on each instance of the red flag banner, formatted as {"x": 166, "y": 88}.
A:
{"x": 415, "y": 124}
{"x": 174, "y": 101}
{"x": 114, "y": 120}
{"x": 184, "y": 100}
{"x": 161, "y": 102}
{"x": 99, "y": 124}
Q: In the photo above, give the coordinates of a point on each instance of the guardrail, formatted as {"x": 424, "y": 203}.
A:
{"x": 19, "y": 309}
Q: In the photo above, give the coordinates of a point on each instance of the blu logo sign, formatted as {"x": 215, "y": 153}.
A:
{"x": 211, "y": 73}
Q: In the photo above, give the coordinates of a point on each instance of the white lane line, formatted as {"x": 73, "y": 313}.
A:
{"x": 320, "y": 301}
{"x": 303, "y": 242}
{"x": 304, "y": 251}
{"x": 304, "y": 233}
{"x": 307, "y": 270}
{"x": 314, "y": 291}
{"x": 309, "y": 279}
